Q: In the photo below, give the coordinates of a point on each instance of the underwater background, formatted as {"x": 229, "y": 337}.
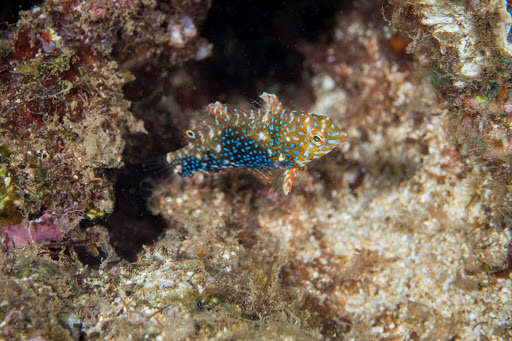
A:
{"x": 403, "y": 232}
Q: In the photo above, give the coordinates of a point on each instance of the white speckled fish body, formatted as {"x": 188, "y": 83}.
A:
{"x": 260, "y": 140}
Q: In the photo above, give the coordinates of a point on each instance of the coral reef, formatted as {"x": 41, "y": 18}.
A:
{"x": 402, "y": 233}
{"x": 63, "y": 112}
{"x": 455, "y": 36}
{"x": 36, "y": 297}
{"x": 466, "y": 46}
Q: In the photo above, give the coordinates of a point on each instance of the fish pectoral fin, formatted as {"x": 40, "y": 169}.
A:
{"x": 289, "y": 178}
{"x": 220, "y": 112}
{"x": 264, "y": 175}
{"x": 272, "y": 103}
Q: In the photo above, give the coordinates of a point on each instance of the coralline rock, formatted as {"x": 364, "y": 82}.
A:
{"x": 393, "y": 248}
{"x": 43, "y": 229}
{"x": 457, "y": 34}
{"x": 404, "y": 233}
{"x": 466, "y": 45}
{"x": 396, "y": 237}
{"x": 172, "y": 296}
{"x": 36, "y": 296}
{"x": 63, "y": 114}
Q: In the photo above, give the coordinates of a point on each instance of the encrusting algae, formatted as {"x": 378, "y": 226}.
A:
{"x": 260, "y": 140}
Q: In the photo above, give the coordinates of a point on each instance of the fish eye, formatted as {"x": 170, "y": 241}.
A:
{"x": 317, "y": 137}
{"x": 190, "y": 134}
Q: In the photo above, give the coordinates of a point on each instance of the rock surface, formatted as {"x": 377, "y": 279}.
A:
{"x": 402, "y": 233}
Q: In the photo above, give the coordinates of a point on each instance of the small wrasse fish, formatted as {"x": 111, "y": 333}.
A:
{"x": 260, "y": 140}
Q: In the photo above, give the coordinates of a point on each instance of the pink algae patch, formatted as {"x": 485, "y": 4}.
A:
{"x": 43, "y": 229}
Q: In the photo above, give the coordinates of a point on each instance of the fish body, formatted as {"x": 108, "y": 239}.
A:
{"x": 260, "y": 140}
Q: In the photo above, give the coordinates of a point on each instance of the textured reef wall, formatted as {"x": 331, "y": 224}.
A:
{"x": 63, "y": 112}
{"x": 466, "y": 45}
{"x": 403, "y": 232}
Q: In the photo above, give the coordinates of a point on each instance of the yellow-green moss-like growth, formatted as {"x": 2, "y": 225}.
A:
{"x": 9, "y": 213}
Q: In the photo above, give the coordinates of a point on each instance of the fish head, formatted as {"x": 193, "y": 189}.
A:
{"x": 323, "y": 135}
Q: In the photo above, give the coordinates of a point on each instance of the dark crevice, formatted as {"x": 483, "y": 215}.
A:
{"x": 132, "y": 225}
{"x": 9, "y": 10}
{"x": 255, "y": 42}
{"x": 86, "y": 257}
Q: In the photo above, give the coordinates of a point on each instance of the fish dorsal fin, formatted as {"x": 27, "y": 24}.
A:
{"x": 220, "y": 112}
{"x": 254, "y": 114}
{"x": 272, "y": 104}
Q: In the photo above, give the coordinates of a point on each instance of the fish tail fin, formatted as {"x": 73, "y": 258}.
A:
{"x": 158, "y": 165}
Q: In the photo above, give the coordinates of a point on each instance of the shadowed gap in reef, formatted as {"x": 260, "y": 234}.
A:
{"x": 255, "y": 41}
{"x": 9, "y": 10}
{"x": 131, "y": 225}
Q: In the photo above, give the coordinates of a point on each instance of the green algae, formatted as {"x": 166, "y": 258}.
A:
{"x": 55, "y": 66}
{"x": 51, "y": 67}
{"x": 30, "y": 68}
{"x": 5, "y": 152}
{"x": 440, "y": 79}
{"x": 94, "y": 214}
{"x": 9, "y": 214}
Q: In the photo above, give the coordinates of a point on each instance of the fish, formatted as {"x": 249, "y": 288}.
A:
{"x": 259, "y": 140}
